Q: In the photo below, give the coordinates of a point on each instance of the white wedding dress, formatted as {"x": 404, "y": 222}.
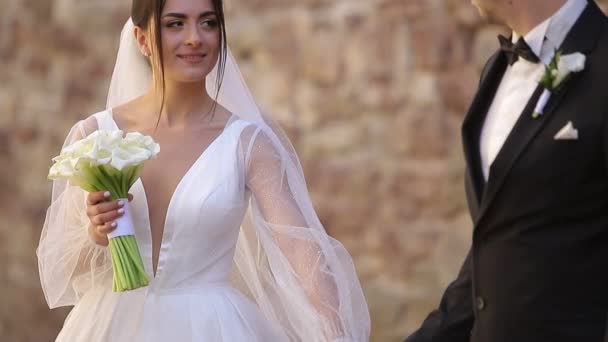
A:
{"x": 190, "y": 298}
{"x": 294, "y": 283}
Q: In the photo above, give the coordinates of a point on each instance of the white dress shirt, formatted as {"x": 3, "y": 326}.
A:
{"x": 521, "y": 79}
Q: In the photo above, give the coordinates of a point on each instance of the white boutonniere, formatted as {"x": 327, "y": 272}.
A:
{"x": 557, "y": 72}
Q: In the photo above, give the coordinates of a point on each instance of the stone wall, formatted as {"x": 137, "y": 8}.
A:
{"x": 372, "y": 93}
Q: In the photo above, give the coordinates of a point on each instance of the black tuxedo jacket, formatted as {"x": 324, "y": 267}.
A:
{"x": 537, "y": 270}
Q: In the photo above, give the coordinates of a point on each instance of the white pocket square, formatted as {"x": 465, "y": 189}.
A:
{"x": 567, "y": 132}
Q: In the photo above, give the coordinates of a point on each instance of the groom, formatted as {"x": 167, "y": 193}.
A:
{"x": 537, "y": 186}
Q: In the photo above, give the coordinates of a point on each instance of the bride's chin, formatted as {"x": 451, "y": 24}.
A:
{"x": 192, "y": 77}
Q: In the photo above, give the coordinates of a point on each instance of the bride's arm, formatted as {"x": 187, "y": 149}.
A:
{"x": 318, "y": 261}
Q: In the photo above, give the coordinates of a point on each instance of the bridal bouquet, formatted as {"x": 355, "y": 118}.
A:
{"x": 107, "y": 161}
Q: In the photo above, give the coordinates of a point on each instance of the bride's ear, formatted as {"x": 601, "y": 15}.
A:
{"x": 142, "y": 41}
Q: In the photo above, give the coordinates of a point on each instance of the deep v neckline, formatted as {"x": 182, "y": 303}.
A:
{"x": 156, "y": 273}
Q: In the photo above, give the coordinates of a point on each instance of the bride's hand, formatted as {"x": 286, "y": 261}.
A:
{"x": 102, "y": 215}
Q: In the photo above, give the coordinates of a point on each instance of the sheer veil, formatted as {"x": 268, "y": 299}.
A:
{"x": 302, "y": 280}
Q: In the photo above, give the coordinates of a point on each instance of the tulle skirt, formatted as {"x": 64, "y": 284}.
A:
{"x": 208, "y": 313}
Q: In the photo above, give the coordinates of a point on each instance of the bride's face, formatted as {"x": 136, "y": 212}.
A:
{"x": 190, "y": 36}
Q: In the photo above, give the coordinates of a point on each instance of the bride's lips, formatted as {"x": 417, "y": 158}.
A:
{"x": 192, "y": 57}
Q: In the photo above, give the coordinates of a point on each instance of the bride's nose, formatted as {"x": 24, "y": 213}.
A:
{"x": 193, "y": 36}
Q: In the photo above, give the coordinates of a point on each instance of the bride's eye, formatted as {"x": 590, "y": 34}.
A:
{"x": 209, "y": 23}
{"x": 175, "y": 23}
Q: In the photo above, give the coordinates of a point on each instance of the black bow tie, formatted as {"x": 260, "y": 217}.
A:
{"x": 519, "y": 49}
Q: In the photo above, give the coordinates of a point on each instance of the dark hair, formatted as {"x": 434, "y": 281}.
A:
{"x": 142, "y": 11}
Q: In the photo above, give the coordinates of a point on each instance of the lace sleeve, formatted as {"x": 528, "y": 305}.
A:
{"x": 305, "y": 278}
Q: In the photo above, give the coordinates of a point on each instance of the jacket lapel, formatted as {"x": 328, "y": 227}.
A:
{"x": 581, "y": 38}
{"x": 524, "y": 130}
{"x": 471, "y": 127}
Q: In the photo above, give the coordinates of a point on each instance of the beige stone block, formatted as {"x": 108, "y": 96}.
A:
{"x": 336, "y": 138}
{"x": 321, "y": 58}
{"x": 388, "y": 305}
{"x": 457, "y": 87}
{"x": 417, "y": 134}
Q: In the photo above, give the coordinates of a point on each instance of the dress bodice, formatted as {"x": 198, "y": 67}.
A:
{"x": 203, "y": 217}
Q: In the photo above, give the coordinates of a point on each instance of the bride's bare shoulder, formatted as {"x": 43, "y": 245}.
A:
{"x": 126, "y": 115}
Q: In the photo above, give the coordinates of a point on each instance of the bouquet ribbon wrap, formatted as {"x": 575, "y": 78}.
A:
{"x": 124, "y": 224}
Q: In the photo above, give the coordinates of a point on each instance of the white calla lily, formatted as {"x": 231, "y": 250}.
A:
{"x": 107, "y": 161}
{"x": 574, "y": 62}
{"x": 568, "y": 64}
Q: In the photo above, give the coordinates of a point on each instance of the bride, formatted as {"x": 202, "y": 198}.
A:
{"x": 224, "y": 222}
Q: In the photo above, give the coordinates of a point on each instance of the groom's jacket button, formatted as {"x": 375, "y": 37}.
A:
{"x": 480, "y": 303}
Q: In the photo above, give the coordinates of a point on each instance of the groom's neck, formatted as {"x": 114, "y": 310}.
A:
{"x": 524, "y": 15}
